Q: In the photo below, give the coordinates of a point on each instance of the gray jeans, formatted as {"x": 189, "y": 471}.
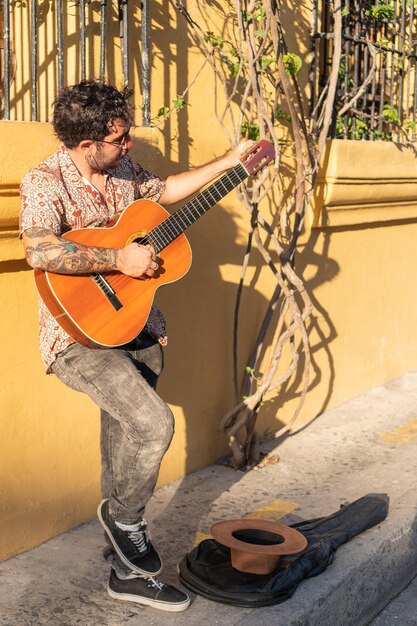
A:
{"x": 136, "y": 424}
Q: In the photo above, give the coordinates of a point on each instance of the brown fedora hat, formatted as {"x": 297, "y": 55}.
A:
{"x": 257, "y": 545}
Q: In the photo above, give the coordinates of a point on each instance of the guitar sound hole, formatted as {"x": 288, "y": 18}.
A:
{"x": 143, "y": 241}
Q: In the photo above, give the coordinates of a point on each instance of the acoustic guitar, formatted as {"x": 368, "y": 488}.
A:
{"x": 108, "y": 310}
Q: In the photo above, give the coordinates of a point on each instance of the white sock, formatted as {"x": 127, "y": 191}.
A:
{"x": 122, "y": 576}
{"x": 129, "y": 527}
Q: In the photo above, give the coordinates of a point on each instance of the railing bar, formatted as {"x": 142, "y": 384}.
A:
{"x": 410, "y": 44}
{"x": 356, "y": 58}
{"x": 401, "y": 79}
{"x": 415, "y": 80}
{"x": 323, "y": 67}
{"x": 103, "y": 24}
{"x": 6, "y": 57}
{"x": 124, "y": 43}
{"x": 83, "y": 33}
{"x": 382, "y": 90}
{"x": 313, "y": 50}
{"x": 34, "y": 60}
{"x": 60, "y": 42}
{"x": 366, "y": 27}
{"x": 347, "y": 58}
{"x": 415, "y": 97}
{"x": 373, "y": 86}
{"x": 146, "y": 66}
{"x": 392, "y": 58}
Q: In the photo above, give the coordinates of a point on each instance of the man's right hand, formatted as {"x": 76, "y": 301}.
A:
{"x": 50, "y": 253}
{"x": 137, "y": 261}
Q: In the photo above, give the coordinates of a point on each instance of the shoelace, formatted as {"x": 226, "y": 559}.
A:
{"x": 154, "y": 582}
{"x": 139, "y": 538}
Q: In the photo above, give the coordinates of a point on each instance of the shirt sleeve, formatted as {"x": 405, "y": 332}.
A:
{"x": 148, "y": 185}
{"x": 39, "y": 203}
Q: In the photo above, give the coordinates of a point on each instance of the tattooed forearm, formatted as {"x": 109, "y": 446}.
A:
{"x": 47, "y": 252}
{"x": 37, "y": 231}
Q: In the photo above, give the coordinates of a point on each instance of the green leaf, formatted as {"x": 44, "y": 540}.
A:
{"x": 292, "y": 63}
{"x": 216, "y": 42}
{"x": 179, "y": 103}
{"x": 282, "y": 115}
{"x": 259, "y": 14}
{"x": 162, "y": 112}
{"x": 342, "y": 68}
{"x": 362, "y": 129}
{"x": 383, "y": 11}
{"x": 234, "y": 69}
{"x": 390, "y": 114}
{"x": 266, "y": 62}
{"x": 382, "y": 42}
{"x": 251, "y": 131}
{"x": 409, "y": 126}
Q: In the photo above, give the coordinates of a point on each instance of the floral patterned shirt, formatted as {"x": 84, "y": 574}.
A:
{"x": 55, "y": 196}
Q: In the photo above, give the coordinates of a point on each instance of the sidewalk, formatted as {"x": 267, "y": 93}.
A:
{"x": 366, "y": 445}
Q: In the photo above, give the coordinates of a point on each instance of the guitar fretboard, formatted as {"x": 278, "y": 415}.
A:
{"x": 178, "y": 222}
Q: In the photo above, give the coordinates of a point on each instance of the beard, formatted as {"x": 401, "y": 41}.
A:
{"x": 100, "y": 162}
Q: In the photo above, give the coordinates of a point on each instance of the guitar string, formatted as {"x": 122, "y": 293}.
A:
{"x": 172, "y": 227}
{"x": 191, "y": 211}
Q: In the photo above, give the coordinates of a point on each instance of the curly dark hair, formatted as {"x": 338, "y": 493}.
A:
{"x": 87, "y": 111}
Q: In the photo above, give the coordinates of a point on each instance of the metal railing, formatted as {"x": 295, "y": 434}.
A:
{"x": 110, "y": 10}
{"x": 379, "y": 52}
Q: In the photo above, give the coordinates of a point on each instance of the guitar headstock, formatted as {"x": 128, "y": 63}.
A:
{"x": 258, "y": 156}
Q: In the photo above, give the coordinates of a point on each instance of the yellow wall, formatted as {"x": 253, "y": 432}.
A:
{"x": 357, "y": 263}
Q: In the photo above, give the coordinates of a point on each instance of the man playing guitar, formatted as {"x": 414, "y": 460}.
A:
{"x": 88, "y": 182}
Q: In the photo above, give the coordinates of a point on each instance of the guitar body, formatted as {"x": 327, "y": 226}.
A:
{"x": 81, "y": 307}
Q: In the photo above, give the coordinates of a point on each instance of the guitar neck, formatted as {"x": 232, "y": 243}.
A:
{"x": 178, "y": 222}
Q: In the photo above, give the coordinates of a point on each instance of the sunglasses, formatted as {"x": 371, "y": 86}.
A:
{"x": 124, "y": 142}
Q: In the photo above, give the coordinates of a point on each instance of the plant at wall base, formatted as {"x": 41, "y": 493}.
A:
{"x": 257, "y": 95}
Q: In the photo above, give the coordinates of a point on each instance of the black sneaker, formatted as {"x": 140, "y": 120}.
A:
{"x": 134, "y": 548}
{"x": 148, "y": 591}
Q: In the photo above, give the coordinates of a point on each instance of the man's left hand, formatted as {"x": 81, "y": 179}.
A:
{"x": 235, "y": 155}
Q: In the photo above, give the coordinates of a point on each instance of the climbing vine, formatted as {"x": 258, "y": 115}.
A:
{"x": 258, "y": 95}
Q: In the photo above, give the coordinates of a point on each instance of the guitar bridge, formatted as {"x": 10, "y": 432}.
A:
{"x": 107, "y": 290}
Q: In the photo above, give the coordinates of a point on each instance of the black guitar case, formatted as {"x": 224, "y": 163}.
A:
{"x": 207, "y": 569}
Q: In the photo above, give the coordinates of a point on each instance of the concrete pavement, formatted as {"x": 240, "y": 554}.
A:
{"x": 402, "y": 611}
{"x": 366, "y": 445}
